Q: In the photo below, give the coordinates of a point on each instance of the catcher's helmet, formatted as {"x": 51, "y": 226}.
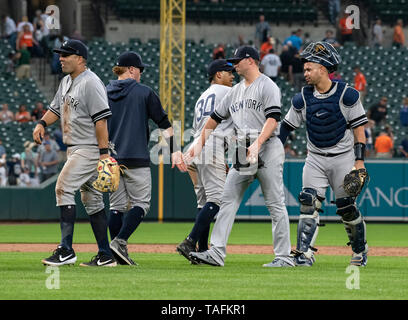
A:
{"x": 323, "y": 53}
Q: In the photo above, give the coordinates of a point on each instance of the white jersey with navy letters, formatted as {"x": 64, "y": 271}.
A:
{"x": 206, "y": 105}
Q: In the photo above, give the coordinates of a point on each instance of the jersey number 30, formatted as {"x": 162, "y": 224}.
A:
{"x": 205, "y": 108}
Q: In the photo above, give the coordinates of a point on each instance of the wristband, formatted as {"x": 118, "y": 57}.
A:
{"x": 359, "y": 150}
{"x": 103, "y": 151}
{"x": 43, "y": 123}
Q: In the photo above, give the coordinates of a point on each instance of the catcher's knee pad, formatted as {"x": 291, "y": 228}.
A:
{"x": 310, "y": 203}
{"x": 353, "y": 223}
{"x": 308, "y": 226}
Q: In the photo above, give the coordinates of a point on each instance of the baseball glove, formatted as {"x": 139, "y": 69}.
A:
{"x": 354, "y": 181}
{"x": 108, "y": 175}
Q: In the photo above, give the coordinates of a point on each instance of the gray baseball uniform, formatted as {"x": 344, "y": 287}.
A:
{"x": 80, "y": 104}
{"x": 249, "y": 107}
{"x": 210, "y": 165}
{"x": 319, "y": 171}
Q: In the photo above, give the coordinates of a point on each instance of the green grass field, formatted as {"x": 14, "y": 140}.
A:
{"x": 171, "y": 277}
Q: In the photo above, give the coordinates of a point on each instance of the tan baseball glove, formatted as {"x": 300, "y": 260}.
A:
{"x": 108, "y": 175}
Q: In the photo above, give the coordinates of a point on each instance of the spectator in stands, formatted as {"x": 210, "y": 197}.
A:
{"x": 384, "y": 144}
{"x": 297, "y": 78}
{"x": 346, "y": 33}
{"x": 24, "y": 21}
{"x": 3, "y": 153}
{"x": 289, "y": 152}
{"x": 378, "y": 33}
{"x": 77, "y": 36}
{"x": 262, "y": 29}
{"x": 404, "y": 112}
{"x": 23, "y": 70}
{"x": 378, "y": 112}
{"x": 219, "y": 52}
{"x": 329, "y": 38}
{"x": 398, "y": 39}
{"x": 270, "y": 65}
{"x": 403, "y": 148}
{"x": 295, "y": 39}
{"x": 41, "y": 149}
{"x": 335, "y": 76}
{"x": 286, "y": 57}
{"x": 29, "y": 158}
{"x": 334, "y": 10}
{"x": 38, "y": 111}
{"x": 14, "y": 169}
{"x": 5, "y": 114}
{"x": 26, "y": 38}
{"x": 11, "y": 63}
{"x": 24, "y": 179}
{"x": 62, "y": 153}
{"x": 8, "y": 27}
{"x": 22, "y": 115}
{"x": 39, "y": 16}
{"x": 360, "y": 83}
{"x": 3, "y": 173}
{"x": 266, "y": 46}
{"x": 369, "y": 134}
{"x": 48, "y": 162}
{"x": 41, "y": 31}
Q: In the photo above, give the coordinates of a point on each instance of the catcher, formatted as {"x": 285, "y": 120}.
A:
{"x": 334, "y": 119}
{"x": 132, "y": 105}
{"x": 81, "y": 103}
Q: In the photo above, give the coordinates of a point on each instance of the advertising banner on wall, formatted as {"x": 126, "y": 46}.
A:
{"x": 385, "y": 198}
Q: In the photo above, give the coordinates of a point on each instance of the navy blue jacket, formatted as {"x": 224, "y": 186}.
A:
{"x": 132, "y": 105}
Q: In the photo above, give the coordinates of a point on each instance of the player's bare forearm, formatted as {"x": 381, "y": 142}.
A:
{"x": 267, "y": 130}
{"x": 209, "y": 127}
{"x": 102, "y": 136}
{"x": 359, "y": 137}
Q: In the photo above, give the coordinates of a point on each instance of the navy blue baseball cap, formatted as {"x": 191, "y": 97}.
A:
{"x": 131, "y": 59}
{"x": 219, "y": 65}
{"x": 73, "y": 47}
{"x": 244, "y": 52}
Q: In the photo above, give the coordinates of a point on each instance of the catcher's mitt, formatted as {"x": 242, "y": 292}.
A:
{"x": 354, "y": 181}
{"x": 108, "y": 175}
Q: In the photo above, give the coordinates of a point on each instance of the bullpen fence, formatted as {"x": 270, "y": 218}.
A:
{"x": 384, "y": 199}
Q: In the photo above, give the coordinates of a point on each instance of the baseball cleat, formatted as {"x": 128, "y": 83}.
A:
{"x": 185, "y": 248}
{"x": 359, "y": 259}
{"x": 303, "y": 261}
{"x": 120, "y": 251}
{"x": 60, "y": 257}
{"x": 203, "y": 257}
{"x": 280, "y": 263}
{"x": 100, "y": 261}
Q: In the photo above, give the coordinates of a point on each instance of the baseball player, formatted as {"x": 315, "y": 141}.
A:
{"x": 254, "y": 107}
{"x": 210, "y": 169}
{"x": 335, "y": 121}
{"x": 132, "y": 105}
{"x": 81, "y": 104}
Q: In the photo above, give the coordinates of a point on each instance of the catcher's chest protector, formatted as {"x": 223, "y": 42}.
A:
{"x": 325, "y": 122}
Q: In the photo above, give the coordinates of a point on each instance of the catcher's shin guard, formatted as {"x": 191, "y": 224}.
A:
{"x": 308, "y": 226}
{"x": 353, "y": 223}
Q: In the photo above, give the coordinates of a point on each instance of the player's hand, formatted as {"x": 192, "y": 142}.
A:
{"x": 178, "y": 161}
{"x": 104, "y": 156}
{"x": 359, "y": 164}
{"x": 193, "y": 152}
{"x": 38, "y": 134}
{"x": 253, "y": 151}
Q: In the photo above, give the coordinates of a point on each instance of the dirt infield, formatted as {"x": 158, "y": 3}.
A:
{"x": 171, "y": 248}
